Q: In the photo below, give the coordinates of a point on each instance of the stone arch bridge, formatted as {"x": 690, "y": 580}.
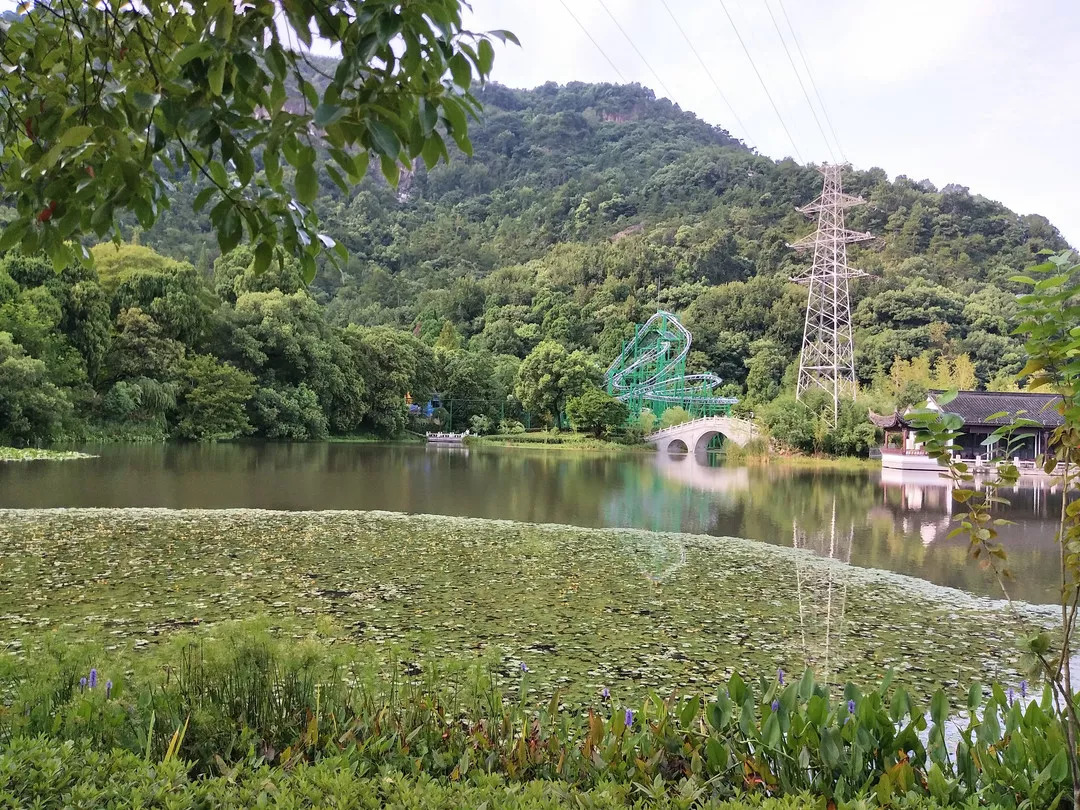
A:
{"x": 695, "y": 435}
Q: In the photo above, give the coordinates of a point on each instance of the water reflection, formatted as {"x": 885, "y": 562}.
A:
{"x": 887, "y": 519}
{"x": 822, "y": 595}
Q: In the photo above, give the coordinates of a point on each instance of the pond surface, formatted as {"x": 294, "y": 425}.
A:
{"x": 582, "y": 608}
{"x": 865, "y": 517}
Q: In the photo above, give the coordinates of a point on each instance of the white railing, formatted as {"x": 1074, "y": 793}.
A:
{"x": 683, "y": 425}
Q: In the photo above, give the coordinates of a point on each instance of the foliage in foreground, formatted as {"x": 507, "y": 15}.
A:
{"x": 171, "y": 88}
{"x": 1049, "y": 313}
{"x": 49, "y": 775}
{"x": 249, "y": 699}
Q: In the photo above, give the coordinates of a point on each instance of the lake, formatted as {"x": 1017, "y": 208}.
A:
{"x": 866, "y": 517}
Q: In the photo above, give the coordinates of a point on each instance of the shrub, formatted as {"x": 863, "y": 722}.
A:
{"x": 44, "y": 774}
{"x": 480, "y": 424}
{"x": 674, "y": 416}
{"x": 229, "y": 706}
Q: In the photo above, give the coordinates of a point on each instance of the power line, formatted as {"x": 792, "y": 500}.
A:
{"x": 768, "y": 95}
{"x": 705, "y": 67}
{"x": 813, "y": 84}
{"x": 593, "y": 41}
{"x": 798, "y": 76}
{"x": 656, "y": 75}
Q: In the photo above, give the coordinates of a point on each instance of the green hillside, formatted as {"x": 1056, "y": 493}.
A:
{"x": 583, "y": 209}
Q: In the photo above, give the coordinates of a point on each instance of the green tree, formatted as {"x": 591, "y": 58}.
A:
{"x": 202, "y": 88}
{"x": 594, "y": 411}
{"x": 550, "y": 375}
{"x": 212, "y": 400}
{"x": 393, "y": 363}
{"x": 765, "y": 369}
{"x": 140, "y": 349}
{"x": 791, "y": 423}
{"x": 31, "y": 407}
{"x": 283, "y": 340}
{"x": 468, "y": 381}
{"x": 674, "y": 416}
{"x": 449, "y": 338}
{"x": 289, "y": 412}
{"x": 234, "y": 275}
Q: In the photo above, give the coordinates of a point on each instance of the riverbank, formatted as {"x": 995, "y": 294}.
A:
{"x": 557, "y": 440}
{"x": 39, "y": 454}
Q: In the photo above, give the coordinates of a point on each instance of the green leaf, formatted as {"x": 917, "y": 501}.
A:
{"x": 203, "y": 197}
{"x": 429, "y": 116}
{"x": 433, "y": 150}
{"x": 307, "y": 183}
{"x": 383, "y": 138}
{"x": 264, "y": 253}
{"x": 946, "y": 397}
{"x": 485, "y": 57}
{"x": 145, "y": 101}
{"x": 391, "y": 171}
{"x": 327, "y": 114}
{"x": 461, "y": 71}
{"x": 231, "y": 231}
{"x": 215, "y": 78}
{"x": 307, "y": 267}
{"x": 74, "y": 136}
{"x": 939, "y": 707}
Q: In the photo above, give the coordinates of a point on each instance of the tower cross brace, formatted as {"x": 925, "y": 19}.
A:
{"x": 827, "y": 359}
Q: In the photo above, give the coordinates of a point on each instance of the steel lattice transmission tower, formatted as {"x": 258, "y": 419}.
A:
{"x": 827, "y": 359}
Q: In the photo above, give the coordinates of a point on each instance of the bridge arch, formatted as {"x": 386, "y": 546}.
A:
{"x": 701, "y": 443}
{"x": 697, "y": 433}
{"x": 676, "y": 446}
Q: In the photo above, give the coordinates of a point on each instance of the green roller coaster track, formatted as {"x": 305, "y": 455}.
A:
{"x": 650, "y": 372}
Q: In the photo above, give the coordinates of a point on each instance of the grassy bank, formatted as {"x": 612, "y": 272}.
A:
{"x": 39, "y": 454}
{"x": 557, "y": 440}
{"x": 760, "y": 452}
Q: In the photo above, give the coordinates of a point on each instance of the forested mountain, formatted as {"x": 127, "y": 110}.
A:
{"x": 583, "y": 208}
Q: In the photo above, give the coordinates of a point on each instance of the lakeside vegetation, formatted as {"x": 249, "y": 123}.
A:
{"x": 236, "y": 715}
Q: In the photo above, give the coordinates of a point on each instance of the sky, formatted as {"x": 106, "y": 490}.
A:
{"x": 984, "y": 93}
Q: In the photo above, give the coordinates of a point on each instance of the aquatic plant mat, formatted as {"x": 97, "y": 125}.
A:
{"x": 38, "y": 454}
{"x": 584, "y": 609}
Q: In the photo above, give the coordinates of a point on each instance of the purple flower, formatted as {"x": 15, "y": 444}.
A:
{"x": 1009, "y": 694}
{"x": 93, "y": 678}
{"x": 108, "y": 689}
{"x": 1023, "y": 689}
{"x": 524, "y": 668}
{"x": 629, "y": 717}
{"x": 82, "y": 684}
{"x": 775, "y": 706}
{"x": 605, "y": 693}
{"x": 851, "y": 707}
{"x": 780, "y": 676}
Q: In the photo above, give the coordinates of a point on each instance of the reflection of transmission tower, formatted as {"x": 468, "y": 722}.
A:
{"x": 817, "y": 588}
{"x": 827, "y": 359}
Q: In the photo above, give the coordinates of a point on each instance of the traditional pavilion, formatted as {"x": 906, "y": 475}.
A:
{"x": 976, "y": 408}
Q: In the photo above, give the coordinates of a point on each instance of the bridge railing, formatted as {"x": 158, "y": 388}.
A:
{"x": 668, "y": 431}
